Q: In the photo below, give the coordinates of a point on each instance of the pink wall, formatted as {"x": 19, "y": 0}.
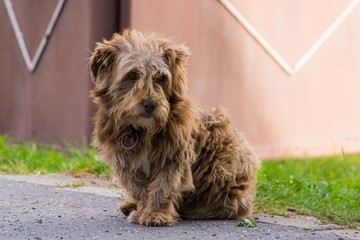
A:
{"x": 315, "y": 111}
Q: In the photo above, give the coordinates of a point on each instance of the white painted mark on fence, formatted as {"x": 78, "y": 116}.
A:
{"x": 31, "y": 63}
{"x": 291, "y": 70}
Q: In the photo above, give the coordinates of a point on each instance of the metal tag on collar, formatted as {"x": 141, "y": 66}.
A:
{"x": 130, "y": 139}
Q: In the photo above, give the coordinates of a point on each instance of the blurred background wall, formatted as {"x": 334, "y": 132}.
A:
{"x": 287, "y": 71}
{"x": 51, "y": 103}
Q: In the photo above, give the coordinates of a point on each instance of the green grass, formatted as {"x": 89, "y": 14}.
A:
{"x": 328, "y": 188}
{"x": 29, "y": 158}
{"x": 71, "y": 185}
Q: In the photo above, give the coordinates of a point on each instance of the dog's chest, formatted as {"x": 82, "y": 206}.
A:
{"x": 143, "y": 164}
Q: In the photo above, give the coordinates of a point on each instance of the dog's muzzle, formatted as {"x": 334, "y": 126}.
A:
{"x": 149, "y": 107}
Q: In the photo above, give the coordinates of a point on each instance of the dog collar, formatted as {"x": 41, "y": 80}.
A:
{"x": 130, "y": 139}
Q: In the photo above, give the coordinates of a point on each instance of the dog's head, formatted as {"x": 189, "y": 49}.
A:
{"x": 139, "y": 79}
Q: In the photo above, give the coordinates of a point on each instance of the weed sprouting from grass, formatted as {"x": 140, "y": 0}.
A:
{"x": 249, "y": 223}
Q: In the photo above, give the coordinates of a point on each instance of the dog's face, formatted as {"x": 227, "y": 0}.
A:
{"x": 138, "y": 78}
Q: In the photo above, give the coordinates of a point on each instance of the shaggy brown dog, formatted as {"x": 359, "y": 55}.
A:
{"x": 172, "y": 158}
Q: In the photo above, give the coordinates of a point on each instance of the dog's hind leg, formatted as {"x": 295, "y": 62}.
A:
{"x": 234, "y": 204}
{"x": 225, "y": 189}
{"x": 229, "y": 202}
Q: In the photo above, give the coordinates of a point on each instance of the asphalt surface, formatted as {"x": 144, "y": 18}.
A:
{"x": 39, "y": 212}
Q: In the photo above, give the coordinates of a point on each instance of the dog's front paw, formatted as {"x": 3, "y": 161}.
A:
{"x": 157, "y": 219}
{"x": 127, "y": 207}
{"x": 134, "y": 216}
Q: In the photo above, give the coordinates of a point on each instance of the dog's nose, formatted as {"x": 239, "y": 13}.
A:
{"x": 149, "y": 106}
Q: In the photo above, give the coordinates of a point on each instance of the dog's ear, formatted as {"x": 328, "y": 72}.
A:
{"x": 102, "y": 60}
{"x": 176, "y": 58}
{"x": 176, "y": 55}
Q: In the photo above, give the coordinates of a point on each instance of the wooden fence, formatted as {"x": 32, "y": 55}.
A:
{"x": 287, "y": 71}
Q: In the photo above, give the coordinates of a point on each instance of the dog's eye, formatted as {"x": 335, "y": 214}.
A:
{"x": 133, "y": 76}
{"x": 161, "y": 78}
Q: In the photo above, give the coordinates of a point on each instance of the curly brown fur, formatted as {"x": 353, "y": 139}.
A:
{"x": 172, "y": 158}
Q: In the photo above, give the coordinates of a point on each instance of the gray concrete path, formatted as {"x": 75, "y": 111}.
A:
{"x": 40, "y": 208}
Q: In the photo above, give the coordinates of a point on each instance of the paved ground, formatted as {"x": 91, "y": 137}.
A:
{"x": 29, "y": 210}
